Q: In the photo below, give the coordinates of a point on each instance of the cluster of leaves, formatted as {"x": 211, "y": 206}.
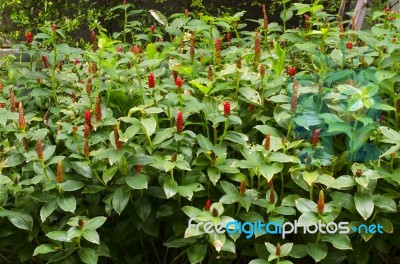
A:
{"x": 107, "y": 152}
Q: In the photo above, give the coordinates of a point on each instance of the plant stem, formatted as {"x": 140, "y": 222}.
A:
{"x": 225, "y": 130}
{"x": 139, "y": 80}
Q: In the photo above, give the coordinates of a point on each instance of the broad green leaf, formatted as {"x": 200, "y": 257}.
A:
{"x": 170, "y": 187}
{"x": 339, "y": 241}
{"x": 143, "y": 208}
{"x": 67, "y": 203}
{"x": 120, "y": 199}
{"x": 197, "y": 252}
{"x": 47, "y": 209}
{"x": 44, "y": 249}
{"x": 21, "y": 219}
{"x": 137, "y": 181}
{"x": 364, "y": 204}
{"x": 95, "y": 223}
{"x": 213, "y": 174}
{"x": 318, "y": 251}
{"x": 91, "y": 236}
{"x": 88, "y": 255}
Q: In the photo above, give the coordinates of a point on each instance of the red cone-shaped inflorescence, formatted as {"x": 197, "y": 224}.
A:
{"x": 12, "y": 101}
{"x": 186, "y": 13}
{"x": 341, "y": 29}
{"x": 353, "y": 23}
{"x": 217, "y": 51}
{"x": 314, "y": 140}
{"x": 208, "y": 205}
{"x": 292, "y": 71}
{"x": 86, "y": 132}
{"x": 88, "y": 118}
{"x": 192, "y": 45}
{"x": 251, "y": 107}
{"x": 179, "y": 122}
{"x": 278, "y": 249}
{"x": 242, "y": 188}
{"x": 227, "y": 108}
{"x": 267, "y": 142}
{"x": 60, "y": 173}
{"x": 294, "y": 95}
{"x": 54, "y": 27}
{"x": 151, "y": 80}
{"x": 2, "y": 105}
{"x": 271, "y": 195}
{"x": 239, "y": 63}
{"x": 39, "y": 149}
{"x": 86, "y": 149}
{"x": 152, "y": 28}
{"x": 98, "y": 109}
{"x": 264, "y": 9}
{"x": 118, "y": 144}
{"x": 307, "y": 18}
{"x": 229, "y": 38}
{"x": 73, "y": 96}
{"x": 94, "y": 41}
{"x": 136, "y": 50}
{"x": 138, "y": 168}
{"x": 45, "y": 62}
{"x": 89, "y": 86}
{"x": 257, "y": 48}
{"x": 210, "y": 73}
{"x": 262, "y": 71}
{"x": 321, "y": 202}
{"x": 21, "y": 117}
{"x": 29, "y": 37}
{"x": 179, "y": 82}
{"x": 174, "y": 75}
{"x": 349, "y": 45}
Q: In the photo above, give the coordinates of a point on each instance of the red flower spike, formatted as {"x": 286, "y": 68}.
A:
{"x": 118, "y": 144}
{"x": 138, "y": 168}
{"x": 186, "y": 13}
{"x": 267, "y": 142}
{"x": 229, "y": 38}
{"x": 29, "y": 37}
{"x": 239, "y": 63}
{"x": 37, "y": 81}
{"x": 217, "y": 51}
{"x": 215, "y": 212}
{"x": 251, "y": 107}
{"x": 294, "y": 95}
{"x": 175, "y": 75}
{"x": 210, "y": 73}
{"x": 2, "y": 105}
{"x": 264, "y": 9}
{"x": 349, "y": 45}
{"x": 98, "y": 109}
{"x": 227, "y": 108}
{"x": 242, "y": 187}
{"x": 73, "y": 96}
{"x": 292, "y": 71}
{"x": 278, "y": 249}
{"x": 21, "y": 117}
{"x": 76, "y": 61}
{"x": 88, "y": 87}
{"x": 271, "y": 195}
{"x": 394, "y": 40}
{"x": 152, "y": 28}
{"x": 25, "y": 143}
{"x": 321, "y": 202}
{"x": 120, "y": 49}
{"x": 151, "y": 80}
{"x": 86, "y": 131}
{"x": 75, "y": 129}
{"x": 179, "y": 122}
{"x": 124, "y": 2}
{"x": 60, "y": 174}
{"x": 192, "y": 45}
{"x": 262, "y": 71}
{"x": 39, "y": 149}
{"x": 12, "y": 101}
{"x": 179, "y": 82}
{"x": 257, "y": 48}
{"x": 208, "y": 205}
{"x": 45, "y": 62}
{"x": 54, "y": 27}
{"x": 387, "y": 9}
{"x": 88, "y": 118}
{"x": 136, "y": 50}
{"x": 271, "y": 183}
{"x": 86, "y": 149}
{"x": 94, "y": 41}
{"x": 314, "y": 140}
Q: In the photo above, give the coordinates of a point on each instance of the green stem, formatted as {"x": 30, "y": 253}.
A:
{"x": 237, "y": 84}
{"x": 225, "y": 130}
{"x": 53, "y": 72}
{"x": 98, "y": 178}
{"x": 215, "y": 135}
{"x": 45, "y": 171}
{"x": 139, "y": 80}
{"x": 125, "y": 22}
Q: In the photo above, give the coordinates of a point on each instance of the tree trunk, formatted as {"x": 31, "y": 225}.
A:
{"x": 359, "y": 13}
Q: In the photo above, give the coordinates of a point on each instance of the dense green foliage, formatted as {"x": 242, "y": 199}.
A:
{"x": 108, "y": 151}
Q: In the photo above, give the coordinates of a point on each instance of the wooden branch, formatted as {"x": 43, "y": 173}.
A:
{"x": 359, "y": 13}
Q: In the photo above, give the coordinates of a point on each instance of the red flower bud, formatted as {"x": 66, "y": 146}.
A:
{"x": 192, "y": 45}
{"x": 75, "y": 129}
{"x": 86, "y": 132}
{"x": 76, "y": 61}
{"x": 292, "y": 71}
{"x": 88, "y": 118}
{"x": 314, "y": 140}
{"x": 118, "y": 144}
{"x": 178, "y": 82}
{"x": 2, "y": 105}
{"x": 94, "y": 41}
{"x": 81, "y": 223}
{"x": 21, "y": 116}
{"x": 39, "y": 149}
{"x": 251, "y": 107}
{"x": 136, "y": 50}
{"x": 394, "y": 40}
{"x": 262, "y": 71}
{"x": 239, "y": 63}
{"x": 54, "y": 27}
{"x": 86, "y": 149}
{"x": 138, "y": 168}
{"x": 152, "y": 28}
{"x": 321, "y": 202}
{"x": 60, "y": 174}
{"x": 229, "y": 38}
{"x": 37, "y": 81}
{"x": 45, "y": 62}
{"x": 278, "y": 249}
{"x": 210, "y": 73}
{"x": 271, "y": 183}
{"x": 151, "y": 80}
{"x": 349, "y": 45}
{"x": 120, "y": 49}
{"x": 29, "y": 37}
{"x": 242, "y": 187}
{"x": 179, "y": 122}
{"x": 98, "y": 109}
{"x": 25, "y": 143}
{"x": 186, "y": 13}
{"x": 267, "y": 142}
{"x": 227, "y": 108}
{"x": 124, "y": 2}
{"x": 175, "y": 75}
{"x": 264, "y": 9}
{"x": 271, "y": 195}
{"x": 217, "y": 51}
{"x": 257, "y": 48}
{"x": 88, "y": 86}
{"x": 73, "y": 96}
{"x": 208, "y": 205}
{"x": 215, "y": 212}
{"x": 294, "y": 95}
